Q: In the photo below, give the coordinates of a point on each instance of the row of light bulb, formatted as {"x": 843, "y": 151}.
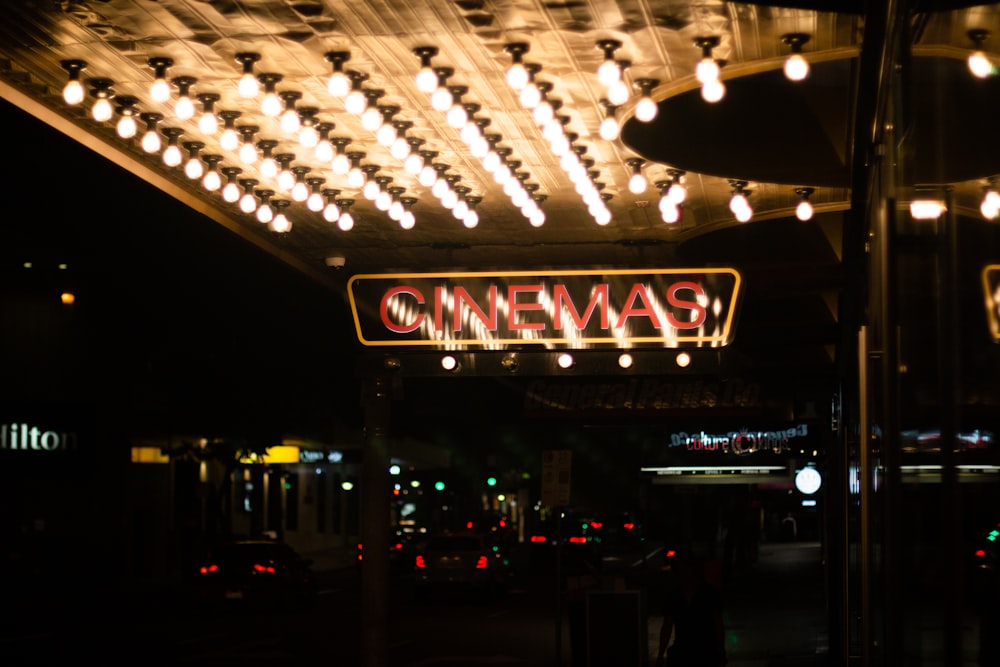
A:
{"x": 533, "y": 97}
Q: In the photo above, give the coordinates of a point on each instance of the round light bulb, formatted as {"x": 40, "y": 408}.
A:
{"x": 248, "y": 153}
{"x": 990, "y": 207}
{"x": 323, "y": 151}
{"x": 300, "y": 191}
{"x": 637, "y": 184}
{"x": 194, "y": 168}
{"x": 102, "y": 110}
{"x": 646, "y": 109}
{"x": 400, "y": 148}
{"x": 208, "y": 123}
{"x": 609, "y": 128}
{"x": 530, "y": 96}
{"x": 707, "y": 70}
{"x": 268, "y": 167}
{"x": 371, "y": 119}
{"x": 265, "y": 213}
{"x": 229, "y": 140}
{"x": 517, "y": 76}
{"x": 211, "y": 181}
{"x": 290, "y": 122}
{"x": 385, "y": 135}
{"x": 341, "y": 164}
{"x": 346, "y": 221}
{"x": 713, "y": 91}
{"x": 280, "y": 224}
{"x": 184, "y": 109}
{"x": 331, "y": 212}
{"x": 457, "y": 116}
{"x": 804, "y": 210}
{"x": 286, "y": 180}
{"x": 609, "y": 73}
{"x": 248, "y": 86}
{"x": 537, "y": 219}
{"x": 73, "y": 92}
{"x": 248, "y": 203}
{"x": 271, "y": 105}
{"x": 618, "y": 93}
{"x": 160, "y": 91}
{"x": 355, "y": 102}
{"x": 308, "y": 137}
{"x": 979, "y": 65}
{"x": 471, "y": 219}
{"x": 231, "y": 193}
{"x": 127, "y": 127}
{"x": 151, "y": 142}
{"x": 172, "y": 156}
{"x": 338, "y": 85}
{"x": 676, "y": 193}
{"x": 426, "y": 80}
{"x": 796, "y": 67}
{"x": 408, "y": 221}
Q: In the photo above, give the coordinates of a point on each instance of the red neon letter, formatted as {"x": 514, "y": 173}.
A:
{"x": 514, "y": 308}
{"x": 562, "y": 298}
{"x": 638, "y": 292}
{"x": 693, "y": 306}
{"x": 401, "y": 291}
{"x": 463, "y": 298}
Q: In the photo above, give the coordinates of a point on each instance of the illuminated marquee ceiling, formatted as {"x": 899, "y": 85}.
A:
{"x": 775, "y": 135}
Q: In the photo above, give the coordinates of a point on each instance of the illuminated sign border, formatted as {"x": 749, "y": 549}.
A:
{"x": 415, "y": 335}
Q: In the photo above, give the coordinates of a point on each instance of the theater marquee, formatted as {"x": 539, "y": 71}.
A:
{"x": 653, "y": 307}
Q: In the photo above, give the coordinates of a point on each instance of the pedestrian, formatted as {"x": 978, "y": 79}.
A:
{"x": 692, "y": 616}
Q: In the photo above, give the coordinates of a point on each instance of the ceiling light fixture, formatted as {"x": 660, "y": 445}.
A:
{"x": 707, "y": 68}
{"x": 471, "y": 218}
{"x": 211, "y": 181}
{"x": 172, "y": 156}
{"x": 677, "y": 193}
{"x": 610, "y": 128}
{"x": 73, "y": 92}
{"x": 280, "y": 224}
{"x": 300, "y": 190}
{"x": 265, "y": 213}
{"x": 289, "y": 115}
{"x": 126, "y": 126}
{"x": 341, "y": 163}
{"x": 268, "y": 165}
{"x": 646, "y": 109}
{"x": 231, "y": 190}
{"x": 286, "y": 177}
{"x": 248, "y": 149}
{"x": 738, "y": 203}
{"x": 331, "y": 211}
{"x": 637, "y": 182}
{"x": 102, "y": 110}
{"x": 229, "y": 140}
{"x": 271, "y": 105}
{"x": 669, "y": 210}
{"x": 208, "y": 122}
{"x": 345, "y": 221}
{"x": 356, "y": 101}
{"x": 339, "y": 84}
{"x": 184, "y": 106}
{"x": 151, "y": 142}
{"x": 531, "y": 95}
{"x": 408, "y": 220}
{"x": 441, "y": 99}
{"x": 426, "y": 79}
{"x": 159, "y": 90}
{"x": 517, "y": 74}
{"x": 371, "y": 117}
{"x": 248, "y": 85}
{"x": 194, "y": 168}
{"x": 804, "y": 209}
{"x": 609, "y": 72}
{"x": 979, "y": 64}
{"x": 324, "y": 146}
{"x": 248, "y": 200}
{"x": 927, "y": 206}
{"x": 796, "y": 66}
{"x": 315, "y": 202}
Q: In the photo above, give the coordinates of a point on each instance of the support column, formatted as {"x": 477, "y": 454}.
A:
{"x": 375, "y": 489}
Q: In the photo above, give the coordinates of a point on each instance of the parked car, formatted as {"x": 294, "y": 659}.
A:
{"x": 460, "y": 561}
{"x": 254, "y": 573}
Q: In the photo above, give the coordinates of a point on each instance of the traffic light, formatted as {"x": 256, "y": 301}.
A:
{"x": 491, "y": 481}
{"x": 439, "y": 486}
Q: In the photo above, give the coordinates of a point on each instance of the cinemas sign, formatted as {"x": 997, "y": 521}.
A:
{"x": 652, "y": 307}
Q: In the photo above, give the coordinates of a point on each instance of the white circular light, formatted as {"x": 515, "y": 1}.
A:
{"x": 565, "y": 360}
{"x": 683, "y": 359}
{"x": 625, "y": 360}
{"x": 979, "y": 65}
{"x": 808, "y": 480}
{"x": 448, "y": 362}
{"x": 796, "y": 67}
{"x": 646, "y": 110}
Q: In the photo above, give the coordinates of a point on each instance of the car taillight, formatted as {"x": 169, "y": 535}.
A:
{"x": 420, "y": 562}
{"x": 980, "y": 553}
{"x": 268, "y": 569}
{"x": 398, "y": 546}
{"x": 596, "y": 524}
{"x": 482, "y": 563}
{"x": 208, "y": 569}
{"x": 629, "y": 526}
{"x": 537, "y": 539}
{"x": 578, "y": 540}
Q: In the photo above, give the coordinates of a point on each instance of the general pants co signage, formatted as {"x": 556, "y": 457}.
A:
{"x": 652, "y": 307}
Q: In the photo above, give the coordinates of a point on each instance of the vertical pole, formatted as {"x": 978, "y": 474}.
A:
{"x": 375, "y": 488}
{"x": 866, "y": 553}
{"x": 559, "y": 619}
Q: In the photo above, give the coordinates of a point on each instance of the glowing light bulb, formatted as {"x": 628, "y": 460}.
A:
{"x": 102, "y": 110}
{"x": 159, "y": 91}
{"x": 73, "y": 92}
{"x": 208, "y": 123}
{"x": 211, "y": 181}
{"x": 172, "y": 156}
{"x": 979, "y": 64}
{"x": 804, "y": 210}
{"x": 346, "y": 221}
{"x": 151, "y": 142}
{"x": 127, "y": 127}
{"x": 796, "y": 67}
{"x": 713, "y": 91}
{"x": 707, "y": 70}
{"x": 248, "y": 86}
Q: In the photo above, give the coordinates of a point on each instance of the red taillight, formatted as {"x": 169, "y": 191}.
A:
{"x": 629, "y": 526}
{"x": 671, "y": 553}
{"x": 578, "y": 540}
{"x": 268, "y": 569}
{"x": 207, "y": 569}
{"x": 980, "y": 553}
{"x": 596, "y": 524}
{"x": 420, "y": 562}
{"x": 537, "y": 538}
{"x": 482, "y": 563}
{"x": 398, "y": 546}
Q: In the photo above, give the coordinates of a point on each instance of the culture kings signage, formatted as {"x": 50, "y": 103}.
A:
{"x": 652, "y": 307}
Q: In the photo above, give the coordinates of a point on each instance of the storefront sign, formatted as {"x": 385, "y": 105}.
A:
{"x": 30, "y": 437}
{"x": 661, "y": 307}
{"x": 740, "y": 442}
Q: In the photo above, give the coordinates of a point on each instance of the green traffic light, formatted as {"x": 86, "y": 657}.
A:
{"x": 439, "y": 486}
{"x": 491, "y": 481}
